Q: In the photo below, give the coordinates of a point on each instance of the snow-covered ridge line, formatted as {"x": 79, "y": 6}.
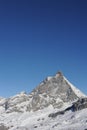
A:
{"x": 76, "y": 90}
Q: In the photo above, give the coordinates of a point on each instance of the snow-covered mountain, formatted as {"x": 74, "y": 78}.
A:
{"x": 54, "y": 104}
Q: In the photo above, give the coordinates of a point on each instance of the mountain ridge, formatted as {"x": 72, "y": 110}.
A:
{"x": 55, "y": 91}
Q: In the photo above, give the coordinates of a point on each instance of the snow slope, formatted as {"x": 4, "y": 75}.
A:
{"x": 40, "y": 121}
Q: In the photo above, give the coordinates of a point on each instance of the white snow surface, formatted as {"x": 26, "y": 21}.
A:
{"x": 39, "y": 120}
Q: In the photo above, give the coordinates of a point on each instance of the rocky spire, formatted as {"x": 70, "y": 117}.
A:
{"x": 59, "y": 74}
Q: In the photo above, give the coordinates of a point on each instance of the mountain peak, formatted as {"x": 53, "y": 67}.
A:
{"x": 59, "y": 73}
{"x": 54, "y": 91}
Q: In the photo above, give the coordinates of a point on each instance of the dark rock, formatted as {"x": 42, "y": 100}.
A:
{"x": 35, "y": 126}
{"x": 78, "y": 105}
{"x": 53, "y": 115}
{"x": 2, "y": 127}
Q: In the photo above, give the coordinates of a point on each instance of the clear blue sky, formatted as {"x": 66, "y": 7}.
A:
{"x": 40, "y": 37}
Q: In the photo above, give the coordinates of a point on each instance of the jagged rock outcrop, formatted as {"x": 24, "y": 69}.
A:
{"x": 80, "y": 104}
{"x": 76, "y": 106}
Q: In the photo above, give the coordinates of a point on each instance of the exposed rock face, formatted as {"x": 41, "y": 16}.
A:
{"x": 2, "y": 127}
{"x": 80, "y": 104}
{"x": 76, "y": 106}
